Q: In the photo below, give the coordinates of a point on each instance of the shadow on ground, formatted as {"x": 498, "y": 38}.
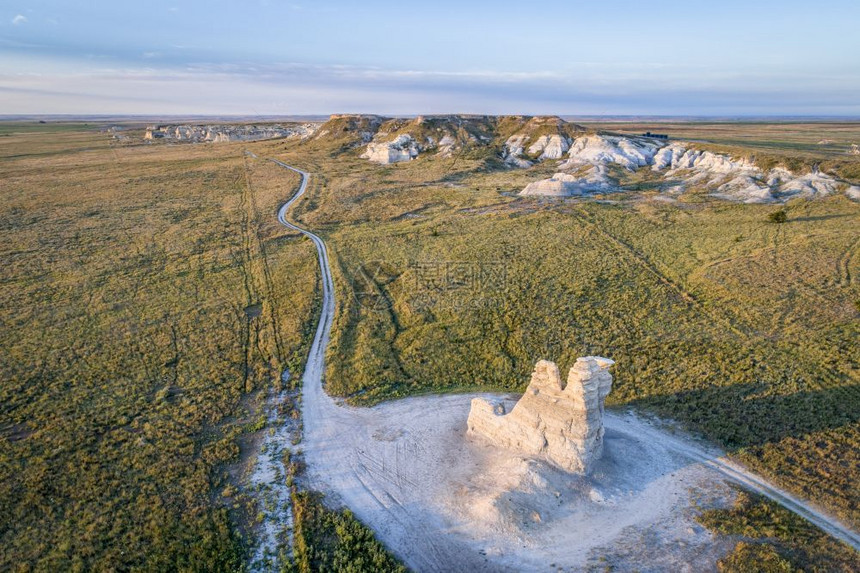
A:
{"x": 745, "y": 415}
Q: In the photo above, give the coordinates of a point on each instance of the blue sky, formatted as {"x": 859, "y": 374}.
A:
{"x": 297, "y": 57}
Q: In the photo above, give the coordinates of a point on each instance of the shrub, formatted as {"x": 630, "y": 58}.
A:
{"x": 778, "y": 216}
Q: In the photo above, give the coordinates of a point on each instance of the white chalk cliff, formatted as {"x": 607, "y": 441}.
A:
{"x": 740, "y": 179}
{"x": 630, "y": 153}
{"x": 584, "y": 163}
{"x": 720, "y": 175}
{"x": 402, "y": 148}
{"x": 550, "y": 147}
{"x": 514, "y": 149}
{"x": 559, "y": 422}
{"x": 538, "y": 139}
{"x": 227, "y": 133}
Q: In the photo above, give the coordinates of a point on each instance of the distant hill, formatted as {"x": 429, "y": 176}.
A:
{"x": 518, "y": 139}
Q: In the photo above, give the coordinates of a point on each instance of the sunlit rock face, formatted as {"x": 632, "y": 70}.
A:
{"x": 556, "y": 421}
{"x": 403, "y": 148}
{"x": 629, "y": 152}
{"x": 550, "y": 147}
{"x": 587, "y": 171}
{"x": 594, "y": 179}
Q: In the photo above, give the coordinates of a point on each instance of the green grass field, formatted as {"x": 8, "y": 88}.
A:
{"x": 774, "y": 539}
{"x": 151, "y": 300}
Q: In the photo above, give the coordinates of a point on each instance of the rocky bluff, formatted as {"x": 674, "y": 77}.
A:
{"x": 556, "y": 421}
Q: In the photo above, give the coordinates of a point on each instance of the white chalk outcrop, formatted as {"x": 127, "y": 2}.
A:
{"x": 675, "y": 156}
{"x": 630, "y": 153}
{"x": 227, "y": 133}
{"x": 597, "y": 151}
{"x": 532, "y": 140}
{"x": 740, "y": 179}
{"x": 514, "y": 149}
{"x": 594, "y": 180}
{"x": 398, "y": 140}
{"x": 559, "y": 422}
{"x": 550, "y": 147}
{"x": 402, "y": 148}
{"x": 720, "y": 175}
{"x": 350, "y": 129}
{"x": 447, "y": 145}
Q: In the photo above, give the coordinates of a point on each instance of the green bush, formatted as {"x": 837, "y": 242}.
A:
{"x": 775, "y": 539}
{"x": 778, "y": 216}
{"x": 335, "y": 541}
{"x": 755, "y": 557}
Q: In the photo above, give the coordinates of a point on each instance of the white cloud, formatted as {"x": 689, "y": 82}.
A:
{"x": 19, "y": 19}
{"x": 106, "y": 86}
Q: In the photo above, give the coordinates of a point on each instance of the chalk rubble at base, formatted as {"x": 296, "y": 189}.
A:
{"x": 561, "y": 423}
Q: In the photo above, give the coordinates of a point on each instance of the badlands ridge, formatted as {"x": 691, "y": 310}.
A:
{"x": 586, "y": 163}
{"x": 226, "y": 133}
{"x": 590, "y": 162}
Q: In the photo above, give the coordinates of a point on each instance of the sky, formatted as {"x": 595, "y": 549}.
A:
{"x": 269, "y": 57}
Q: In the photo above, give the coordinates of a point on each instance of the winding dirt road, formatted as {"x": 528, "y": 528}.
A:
{"x": 313, "y": 396}
{"x": 366, "y": 458}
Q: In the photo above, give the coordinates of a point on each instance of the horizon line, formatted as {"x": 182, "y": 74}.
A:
{"x": 319, "y": 116}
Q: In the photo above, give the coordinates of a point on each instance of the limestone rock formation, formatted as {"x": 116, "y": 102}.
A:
{"x": 533, "y": 140}
{"x": 514, "y": 149}
{"x": 725, "y": 177}
{"x": 403, "y": 148}
{"x": 227, "y": 133}
{"x": 400, "y": 139}
{"x": 676, "y": 156}
{"x": 561, "y": 423}
{"x": 740, "y": 179}
{"x": 629, "y": 152}
{"x": 550, "y": 147}
{"x": 350, "y": 130}
{"x": 592, "y": 180}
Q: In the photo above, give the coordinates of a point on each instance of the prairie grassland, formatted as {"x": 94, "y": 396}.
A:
{"x": 32, "y": 140}
{"x": 149, "y": 304}
{"x": 744, "y": 331}
{"x": 334, "y": 540}
{"x": 771, "y": 538}
{"x": 150, "y": 301}
{"x": 822, "y": 138}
